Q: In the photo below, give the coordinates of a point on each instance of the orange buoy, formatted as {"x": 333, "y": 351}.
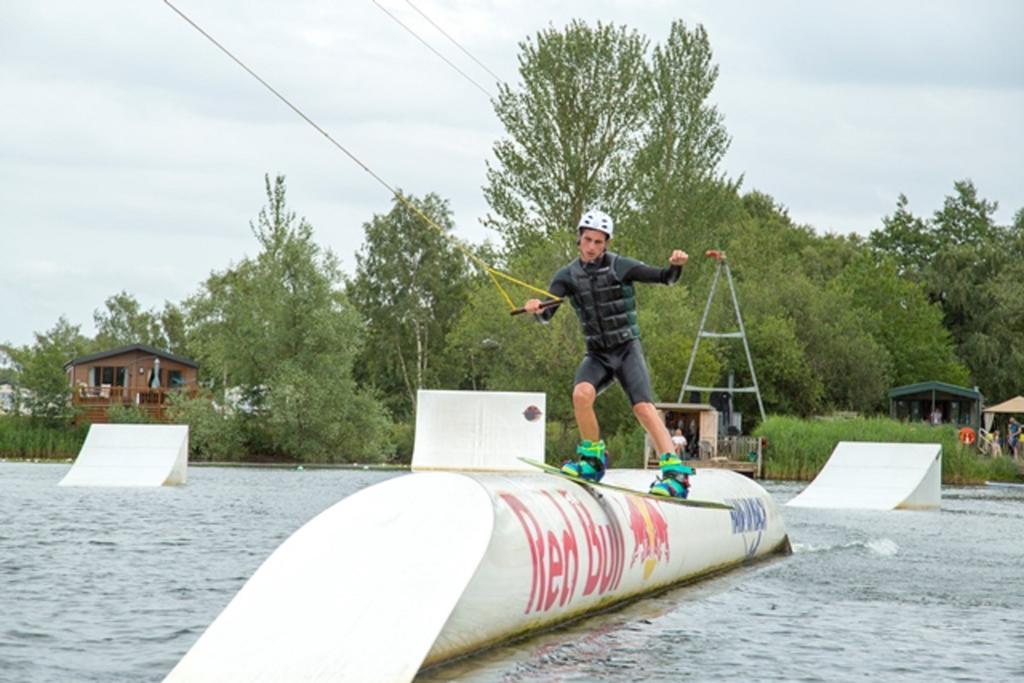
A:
{"x": 967, "y": 436}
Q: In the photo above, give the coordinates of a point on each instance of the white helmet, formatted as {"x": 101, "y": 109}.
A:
{"x": 597, "y": 220}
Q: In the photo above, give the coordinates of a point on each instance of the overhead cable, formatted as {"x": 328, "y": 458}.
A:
{"x": 469, "y": 54}
{"x": 432, "y": 49}
{"x": 494, "y": 273}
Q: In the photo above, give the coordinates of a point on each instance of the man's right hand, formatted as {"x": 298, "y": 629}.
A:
{"x": 532, "y": 306}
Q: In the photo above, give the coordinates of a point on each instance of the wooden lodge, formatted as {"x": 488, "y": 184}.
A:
{"x": 134, "y": 375}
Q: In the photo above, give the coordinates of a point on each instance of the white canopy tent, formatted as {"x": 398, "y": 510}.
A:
{"x": 1014, "y": 406}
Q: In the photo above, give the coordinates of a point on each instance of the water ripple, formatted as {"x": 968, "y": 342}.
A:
{"x": 116, "y": 585}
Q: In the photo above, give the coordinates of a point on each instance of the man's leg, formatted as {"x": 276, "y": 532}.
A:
{"x": 591, "y": 377}
{"x": 636, "y": 382}
{"x": 583, "y": 396}
{"x": 648, "y": 417}
{"x": 592, "y": 459}
{"x": 633, "y": 375}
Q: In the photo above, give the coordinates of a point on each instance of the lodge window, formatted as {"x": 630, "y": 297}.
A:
{"x": 110, "y": 375}
{"x": 174, "y": 379}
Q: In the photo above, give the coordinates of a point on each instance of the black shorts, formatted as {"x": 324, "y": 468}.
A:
{"x": 624, "y": 363}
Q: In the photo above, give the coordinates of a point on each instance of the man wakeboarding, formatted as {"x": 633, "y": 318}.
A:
{"x": 599, "y": 285}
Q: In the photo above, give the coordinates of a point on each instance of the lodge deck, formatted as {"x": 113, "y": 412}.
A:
{"x": 92, "y": 403}
{"x": 742, "y": 454}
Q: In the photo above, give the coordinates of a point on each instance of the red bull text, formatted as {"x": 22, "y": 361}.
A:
{"x": 555, "y": 552}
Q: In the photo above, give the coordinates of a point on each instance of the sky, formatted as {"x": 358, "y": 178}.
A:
{"x": 132, "y": 151}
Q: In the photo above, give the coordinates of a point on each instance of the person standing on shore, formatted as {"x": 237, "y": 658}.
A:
{"x": 1013, "y": 434}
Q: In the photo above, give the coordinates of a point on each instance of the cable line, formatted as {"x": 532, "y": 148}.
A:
{"x": 494, "y": 273}
{"x": 469, "y": 54}
{"x": 431, "y": 48}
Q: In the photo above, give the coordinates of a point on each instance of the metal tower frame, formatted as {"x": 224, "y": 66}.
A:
{"x": 741, "y": 334}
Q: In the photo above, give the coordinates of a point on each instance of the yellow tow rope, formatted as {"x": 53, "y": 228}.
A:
{"x": 494, "y": 273}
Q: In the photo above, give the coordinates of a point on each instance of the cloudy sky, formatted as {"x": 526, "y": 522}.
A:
{"x": 132, "y": 152}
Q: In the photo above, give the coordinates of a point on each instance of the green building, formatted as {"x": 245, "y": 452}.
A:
{"x": 937, "y": 403}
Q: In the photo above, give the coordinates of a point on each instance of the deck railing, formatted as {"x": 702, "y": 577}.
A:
{"x": 109, "y": 394}
{"x": 746, "y": 449}
{"x": 92, "y": 402}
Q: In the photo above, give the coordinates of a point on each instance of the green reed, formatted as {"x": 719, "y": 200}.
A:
{"x": 27, "y": 438}
{"x": 799, "y": 448}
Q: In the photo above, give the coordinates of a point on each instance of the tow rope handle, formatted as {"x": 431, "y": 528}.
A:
{"x": 543, "y": 305}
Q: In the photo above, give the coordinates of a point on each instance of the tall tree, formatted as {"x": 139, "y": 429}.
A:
{"x": 968, "y": 252}
{"x": 599, "y": 121}
{"x": 280, "y": 332}
{"x": 410, "y": 284}
{"x": 574, "y": 129}
{"x": 681, "y": 192}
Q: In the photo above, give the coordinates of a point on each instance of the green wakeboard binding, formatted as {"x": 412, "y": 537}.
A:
{"x": 592, "y": 462}
{"x": 675, "y": 477}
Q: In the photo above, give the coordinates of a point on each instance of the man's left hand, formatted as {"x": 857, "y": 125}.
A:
{"x": 678, "y": 258}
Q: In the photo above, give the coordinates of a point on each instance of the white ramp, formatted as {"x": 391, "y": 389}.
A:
{"x": 131, "y": 455}
{"x": 359, "y": 593}
{"x": 478, "y": 430}
{"x": 877, "y": 476}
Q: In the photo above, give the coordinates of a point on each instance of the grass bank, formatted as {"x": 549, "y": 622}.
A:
{"x": 798, "y": 449}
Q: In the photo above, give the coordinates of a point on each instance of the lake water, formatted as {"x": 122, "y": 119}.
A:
{"x": 116, "y": 584}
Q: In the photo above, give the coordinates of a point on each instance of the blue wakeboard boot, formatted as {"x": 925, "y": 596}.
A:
{"x": 675, "y": 478}
{"x": 592, "y": 461}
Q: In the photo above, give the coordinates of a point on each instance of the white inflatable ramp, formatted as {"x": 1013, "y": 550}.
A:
{"x": 432, "y": 566}
{"x": 131, "y": 455}
{"x": 425, "y": 568}
{"x": 877, "y": 476}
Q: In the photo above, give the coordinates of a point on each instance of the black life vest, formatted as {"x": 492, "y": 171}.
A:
{"x": 605, "y": 306}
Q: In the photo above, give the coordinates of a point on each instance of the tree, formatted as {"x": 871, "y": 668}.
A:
{"x": 173, "y": 325}
{"x": 124, "y": 322}
{"x": 968, "y": 266}
{"x": 7, "y": 374}
{"x": 411, "y": 282}
{"x": 782, "y": 272}
{"x": 669, "y": 318}
{"x": 681, "y": 191}
{"x": 574, "y": 129}
{"x": 600, "y": 122}
{"x": 280, "y": 330}
{"x": 214, "y": 433}
{"x": 951, "y": 254}
{"x": 897, "y": 313}
{"x": 40, "y": 369}
{"x": 787, "y": 382}
{"x": 904, "y": 238}
{"x": 992, "y": 345}
{"x": 966, "y": 218}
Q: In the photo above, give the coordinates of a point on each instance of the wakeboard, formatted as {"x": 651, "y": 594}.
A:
{"x": 686, "y": 502}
